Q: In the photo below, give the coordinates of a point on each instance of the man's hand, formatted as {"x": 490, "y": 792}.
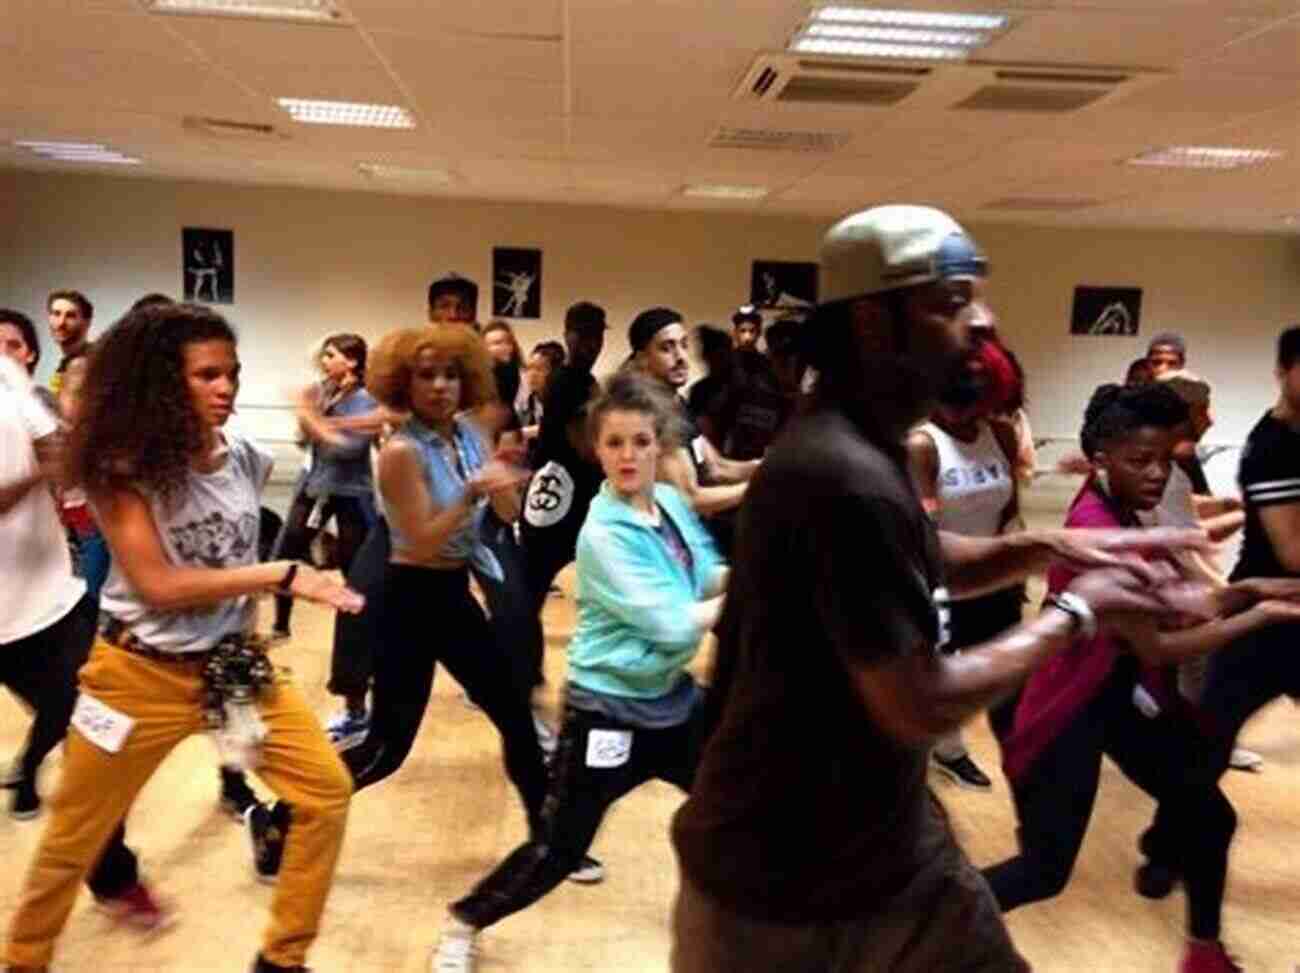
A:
{"x": 1123, "y": 548}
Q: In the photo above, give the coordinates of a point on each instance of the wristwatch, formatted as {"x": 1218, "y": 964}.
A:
{"x": 1085, "y": 622}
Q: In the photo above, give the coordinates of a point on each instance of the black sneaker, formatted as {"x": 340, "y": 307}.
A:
{"x": 263, "y": 965}
{"x": 236, "y": 796}
{"x": 589, "y": 871}
{"x": 26, "y": 803}
{"x": 267, "y": 829}
{"x": 963, "y": 772}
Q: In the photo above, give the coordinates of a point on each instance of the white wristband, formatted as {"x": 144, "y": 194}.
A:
{"x": 1078, "y": 609}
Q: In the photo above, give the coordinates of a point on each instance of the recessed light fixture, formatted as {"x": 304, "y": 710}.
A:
{"x": 1204, "y": 157}
{"x": 1291, "y": 219}
{"x": 296, "y": 11}
{"x": 722, "y": 191}
{"x": 382, "y": 170}
{"x": 311, "y": 112}
{"x": 78, "y": 152}
{"x": 911, "y": 35}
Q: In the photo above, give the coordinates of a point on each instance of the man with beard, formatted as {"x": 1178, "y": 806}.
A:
{"x": 810, "y": 841}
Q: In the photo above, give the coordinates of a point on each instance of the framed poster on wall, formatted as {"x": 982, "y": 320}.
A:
{"x": 516, "y": 282}
{"x": 208, "y": 265}
{"x": 783, "y": 286}
{"x": 1106, "y": 311}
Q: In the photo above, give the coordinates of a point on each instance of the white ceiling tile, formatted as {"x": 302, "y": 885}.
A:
{"x": 453, "y": 57}
{"x": 425, "y": 18}
{"x": 1117, "y": 36}
{"x": 1272, "y": 54}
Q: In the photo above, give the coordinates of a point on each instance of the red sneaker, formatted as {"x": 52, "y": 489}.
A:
{"x": 138, "y": 908}
{"x": 1204, "y": 956}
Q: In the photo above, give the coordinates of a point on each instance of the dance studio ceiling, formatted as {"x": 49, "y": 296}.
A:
{"x": 629, "y": 102}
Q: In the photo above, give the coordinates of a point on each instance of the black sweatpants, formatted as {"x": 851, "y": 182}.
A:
{"x": 516, "y": 616}
{"x": 41, "y": 669}
{"x": 429, "y": 617}
{"x": 1241, "y": 680}
{"x": 1163, "y": 756}
{"x": 353, "y": 519}
{"x": 355, "y": 636}
{"x": 576, "y": 803}
{"x": 546, "y": 552}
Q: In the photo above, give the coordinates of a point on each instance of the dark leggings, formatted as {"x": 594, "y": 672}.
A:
{"x": 353, "y": 520}
{"x": 1162, "y": 756}
{"x": 352, "y": 660}
{"x": 1241, "y": 680}
{"x": 41, "y": 670}
{"x": 429, "y": 617}
{"x": 516, "y": 617}
{"x": 576, "y": 803}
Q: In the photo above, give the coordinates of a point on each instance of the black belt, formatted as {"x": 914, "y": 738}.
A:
{"x": 116, "y": 633}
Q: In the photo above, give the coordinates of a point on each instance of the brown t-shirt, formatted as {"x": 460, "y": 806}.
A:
{"x": 803, "y": 809}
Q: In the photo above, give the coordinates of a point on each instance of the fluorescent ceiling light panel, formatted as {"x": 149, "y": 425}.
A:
{"x": 881, "y": 34}
{"x": 296, "y": 11}
{"x": 719, "y": 191}
{"x": 381, "y": 170}
{"x": 78, "y": 152}
{"x": 1204, "y": 157}
{"x": 910, "y": 18}
{"x": 311, "y": 112}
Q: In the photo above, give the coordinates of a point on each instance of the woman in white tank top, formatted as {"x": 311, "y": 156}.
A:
{"x": 963, "y": 468}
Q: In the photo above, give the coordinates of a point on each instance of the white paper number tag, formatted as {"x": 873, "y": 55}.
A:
{"x": 608, "y": 748}
{"x": 102, "y": 725}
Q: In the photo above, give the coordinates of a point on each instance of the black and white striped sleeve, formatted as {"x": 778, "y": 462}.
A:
{"x": 1270, "y": 466}
{"x": 1269, "y": 493}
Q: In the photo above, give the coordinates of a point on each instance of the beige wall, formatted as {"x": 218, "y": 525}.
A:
{"x": 309, "y": 263}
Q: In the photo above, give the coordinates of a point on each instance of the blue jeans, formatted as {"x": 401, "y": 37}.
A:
{"x": 93, "y": 562}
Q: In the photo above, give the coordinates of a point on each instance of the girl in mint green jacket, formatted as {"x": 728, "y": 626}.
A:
{"x": 650, "y": 585}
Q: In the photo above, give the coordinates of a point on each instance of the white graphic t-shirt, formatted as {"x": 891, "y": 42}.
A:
{"x": 213, "y": 524}
{"x": 550, "y": 496}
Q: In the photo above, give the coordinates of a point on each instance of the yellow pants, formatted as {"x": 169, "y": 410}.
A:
{"x": 98, "y": 788}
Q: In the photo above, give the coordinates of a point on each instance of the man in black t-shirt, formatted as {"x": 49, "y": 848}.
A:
{"x": 568, "y": 475}
{"x": 810, "y": 841}
{"x": 1253, "y": 672}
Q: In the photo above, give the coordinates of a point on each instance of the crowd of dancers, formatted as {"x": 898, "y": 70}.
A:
{"x": 837, "y": 500}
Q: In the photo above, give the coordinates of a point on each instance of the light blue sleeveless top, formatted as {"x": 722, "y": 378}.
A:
{"x": 447, "y": 466}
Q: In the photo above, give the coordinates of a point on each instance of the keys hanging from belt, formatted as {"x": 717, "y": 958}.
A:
{"x": 235, "y": 676}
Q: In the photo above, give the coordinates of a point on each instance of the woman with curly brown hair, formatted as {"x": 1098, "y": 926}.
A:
{"x": 178, "y": 499}
{"x": 438, "y": 479}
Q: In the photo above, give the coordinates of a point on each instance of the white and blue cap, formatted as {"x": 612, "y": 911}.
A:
{"x": 887, "y": 248}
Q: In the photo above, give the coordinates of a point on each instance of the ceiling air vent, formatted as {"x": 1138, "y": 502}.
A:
{"x": 779, "y": 78}
{"x": 1042, "y": 204}
{"x": 1042, "y": 91}
{"x": 226, "y": 128}
{"x": 727, "y": 137}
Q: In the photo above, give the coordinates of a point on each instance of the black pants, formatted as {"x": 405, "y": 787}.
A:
{"x": 353, "y": 520}
{"x": 547, "y": 551}
{"x": 1162, "y": 756}
{"x": 430, "y": 617}
{"x": 576, "y": 803}
{"x": 355, "y": 636}
{"x": 978, "y": 620}
{"x": 516, "y": 615}
{"x": 1242, "y": 679}
{"x": 41, "y": 669}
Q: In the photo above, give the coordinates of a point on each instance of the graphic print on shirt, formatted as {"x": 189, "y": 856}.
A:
{"x": 215, "y": 541}
{"x": 943, "y": 607}
{"x": 550, "y": 496}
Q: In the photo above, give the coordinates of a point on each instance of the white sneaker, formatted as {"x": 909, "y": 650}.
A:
{"x": 457, "y": 952}
{"x": 1243, "y": 759}
{"x": 547, "y": 738}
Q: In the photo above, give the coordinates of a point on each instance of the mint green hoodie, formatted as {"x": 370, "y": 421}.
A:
{"x": 635, "y": 629}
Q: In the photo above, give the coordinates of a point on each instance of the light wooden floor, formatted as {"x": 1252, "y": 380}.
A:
{"x": 419, "y": 840}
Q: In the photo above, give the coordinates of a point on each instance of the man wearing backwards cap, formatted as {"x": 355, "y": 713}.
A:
{"x": 810, "y": 841}
{"x": 453, "y": 299}
{"x": 659, "y": 348}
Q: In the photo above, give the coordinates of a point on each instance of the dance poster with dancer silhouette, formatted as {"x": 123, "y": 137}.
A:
{"x": 516, "y": 282}
{"x": 1106, "y": 311}
{"x": 208, "y": 265}
{"x": 783, "y": 286}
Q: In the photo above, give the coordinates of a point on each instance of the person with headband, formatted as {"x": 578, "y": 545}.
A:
{"x": 810, "y": 840}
